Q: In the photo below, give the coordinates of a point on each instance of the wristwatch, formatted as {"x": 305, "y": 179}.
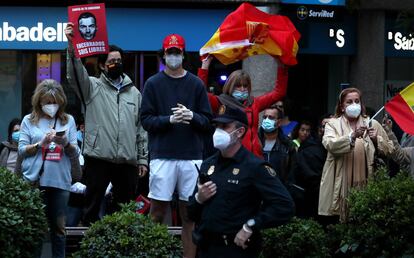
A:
{"x": 251, "y": 223}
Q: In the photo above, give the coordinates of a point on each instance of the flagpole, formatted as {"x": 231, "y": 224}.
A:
{"x": 376, "y": 114}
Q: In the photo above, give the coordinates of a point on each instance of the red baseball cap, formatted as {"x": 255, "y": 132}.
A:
{"x": 173, "y": 40}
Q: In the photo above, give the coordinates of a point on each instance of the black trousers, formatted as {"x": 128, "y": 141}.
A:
{"x": 222, "y": 251}
{"x": 98, "y": 174}
{"x": 214, "y": 246}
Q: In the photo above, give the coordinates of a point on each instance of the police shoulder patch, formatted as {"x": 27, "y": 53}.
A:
{"x": 270, "y": 170}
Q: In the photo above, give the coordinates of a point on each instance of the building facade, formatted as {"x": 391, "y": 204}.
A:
{"x": 344, "y": 43}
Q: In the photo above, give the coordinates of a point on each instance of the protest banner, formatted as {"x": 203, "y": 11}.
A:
{"x": 90, "y": 36}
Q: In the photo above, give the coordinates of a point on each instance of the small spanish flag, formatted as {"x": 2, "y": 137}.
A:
{"x": 249, "y": 31}
{"x": 401, "y": 108}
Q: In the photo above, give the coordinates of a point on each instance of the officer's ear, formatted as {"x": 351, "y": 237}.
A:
{"x": 241, "y": 132}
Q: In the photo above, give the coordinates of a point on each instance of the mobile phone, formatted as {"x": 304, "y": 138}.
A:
{"x": 60, "y": 133}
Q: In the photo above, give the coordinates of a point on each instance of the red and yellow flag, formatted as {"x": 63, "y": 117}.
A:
{"x": 249, "y": 31}
{"x": 401, "y": 108}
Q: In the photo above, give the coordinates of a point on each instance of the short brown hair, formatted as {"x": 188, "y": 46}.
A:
{"x": 342, "y": 95}
{"x": 47, "y": 88}
{"x": 237, "y": 78}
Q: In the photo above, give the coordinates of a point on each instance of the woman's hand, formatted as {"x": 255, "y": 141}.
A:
{"x": 205, "y": 63}
{"x": 62, "y": 140}
{"x": 48, "y": 138}
{"x": 373, "y": 133}
{"x": 359, "y": 132}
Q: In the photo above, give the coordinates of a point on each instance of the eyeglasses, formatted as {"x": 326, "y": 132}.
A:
{"x": 113, "y": 61}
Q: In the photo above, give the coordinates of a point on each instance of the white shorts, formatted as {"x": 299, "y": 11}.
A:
{"x": 168, "y": 175}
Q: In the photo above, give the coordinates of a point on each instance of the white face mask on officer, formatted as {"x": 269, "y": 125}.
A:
{"x": 173, "y": 61}
{"x": 222, "y": 139}
{"x": 353, "y": 110}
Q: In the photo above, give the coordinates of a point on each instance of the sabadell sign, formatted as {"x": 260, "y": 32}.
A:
{"x": 38, "y": 33}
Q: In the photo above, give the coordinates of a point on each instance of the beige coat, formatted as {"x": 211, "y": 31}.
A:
{"x": 337, "y": 143}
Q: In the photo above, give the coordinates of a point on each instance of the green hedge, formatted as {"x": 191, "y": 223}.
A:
{"x": 298, "y": 238}
{"x": 381, "y": 221}
{"x": 22, "y": 218}
{"x": 128, "y": 234}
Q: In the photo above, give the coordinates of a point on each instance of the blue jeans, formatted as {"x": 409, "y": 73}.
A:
{"x": 56, "y": 201}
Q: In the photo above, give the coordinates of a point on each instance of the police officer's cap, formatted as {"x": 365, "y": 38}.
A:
{"x": 229, "y": 114}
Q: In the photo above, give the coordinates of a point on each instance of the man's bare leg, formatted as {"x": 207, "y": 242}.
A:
{"x": 188, "y": 246}
{"x": 158, "y": 210}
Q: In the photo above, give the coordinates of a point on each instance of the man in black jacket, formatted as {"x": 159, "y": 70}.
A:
{"x": 278, "y": 149}
{"x": 237, "y": 195}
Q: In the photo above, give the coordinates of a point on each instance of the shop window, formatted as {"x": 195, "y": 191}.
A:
{"x": 10, "y": 90}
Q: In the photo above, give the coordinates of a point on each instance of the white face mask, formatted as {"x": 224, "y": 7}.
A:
{"x": 353, "y": 110}
{"x": 50, "y": 109}
{"x": 173, "y": 61}
{"x": 222, "y": 139}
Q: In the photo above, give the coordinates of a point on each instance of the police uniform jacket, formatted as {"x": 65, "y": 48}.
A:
{"x": 247, "y": 188}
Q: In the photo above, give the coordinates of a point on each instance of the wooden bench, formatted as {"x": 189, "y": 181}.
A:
{"x": 80, "y": 231}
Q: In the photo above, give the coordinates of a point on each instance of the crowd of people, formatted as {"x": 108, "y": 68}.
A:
{"x": 260, "y": 173}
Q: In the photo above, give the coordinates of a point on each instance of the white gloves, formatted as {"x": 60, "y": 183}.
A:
{"x": 181, "y": 114}
{"x": 78, "y": 188}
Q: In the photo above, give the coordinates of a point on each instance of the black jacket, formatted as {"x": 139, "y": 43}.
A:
{"x": 310, "y": 160}
{"x": 282, "y": 155}
{"x": 247, "y": 188}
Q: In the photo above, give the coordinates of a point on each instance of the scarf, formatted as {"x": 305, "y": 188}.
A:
{"x": 355, "y": 171}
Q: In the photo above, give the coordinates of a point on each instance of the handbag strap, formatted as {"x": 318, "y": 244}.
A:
{"x": 46, "y": 151}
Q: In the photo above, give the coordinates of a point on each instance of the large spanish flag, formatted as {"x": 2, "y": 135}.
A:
{"x": 249, "y": 31}
{"x": 401, "y": 108}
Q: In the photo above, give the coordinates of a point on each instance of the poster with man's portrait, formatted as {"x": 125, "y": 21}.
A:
{"x": 90, "y": 36}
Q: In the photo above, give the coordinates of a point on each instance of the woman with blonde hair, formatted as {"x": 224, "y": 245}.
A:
{"x": 237, "y": 94}
{"x": 48, "y": 144}
{"x": 351, "y": 140}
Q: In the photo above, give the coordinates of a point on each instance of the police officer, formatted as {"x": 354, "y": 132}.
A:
{"x": 237, "y": 194}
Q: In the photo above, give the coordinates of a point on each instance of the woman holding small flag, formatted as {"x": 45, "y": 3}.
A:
{"x": 352, "y": 140}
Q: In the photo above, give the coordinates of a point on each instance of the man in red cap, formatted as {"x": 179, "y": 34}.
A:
{"x": 176, "y": 114}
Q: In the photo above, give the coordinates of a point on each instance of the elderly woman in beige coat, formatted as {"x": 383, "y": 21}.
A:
{"x": 351, "y": 141}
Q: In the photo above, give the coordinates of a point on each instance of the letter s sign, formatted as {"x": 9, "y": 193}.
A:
{"x": 339, "y": 36}
{"x": 340, "y": 40}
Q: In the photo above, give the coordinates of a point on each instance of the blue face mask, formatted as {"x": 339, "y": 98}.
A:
{"x": 16, "y": 136}
{"x": 268, "y": 125}
{"x": 240, "y": 95}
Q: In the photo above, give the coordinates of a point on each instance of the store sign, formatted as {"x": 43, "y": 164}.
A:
{"x": 304, "y": 12}
{"x": 38, "y": 33}
{"x": 401, "y": 42}
{"x": 315, "y": 2}
{"x": 132, "y": 29}
{"x": 397, "y": 42}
